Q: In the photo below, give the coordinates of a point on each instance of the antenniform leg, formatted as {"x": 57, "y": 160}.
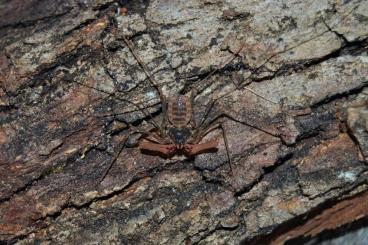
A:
{"x": 123, "y": 145}
{"x": 152, "y": 81}
{"x": 194, "y": 149}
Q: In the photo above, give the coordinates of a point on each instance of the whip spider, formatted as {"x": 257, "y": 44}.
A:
{"x": 179, "y": 133}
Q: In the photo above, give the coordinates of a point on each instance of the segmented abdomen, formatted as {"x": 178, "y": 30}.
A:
{"x": 179, "y": 111}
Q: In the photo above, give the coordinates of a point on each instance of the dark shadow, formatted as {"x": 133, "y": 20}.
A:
{"x": 331, "y": 234}
{"x": 300, "y": 220}
{"x": 155, "y": 153}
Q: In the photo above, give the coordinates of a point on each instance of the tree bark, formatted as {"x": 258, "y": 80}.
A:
{"x": 296, "y": 106}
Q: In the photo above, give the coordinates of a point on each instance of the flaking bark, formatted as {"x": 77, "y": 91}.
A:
{"x": 299, "y": 166}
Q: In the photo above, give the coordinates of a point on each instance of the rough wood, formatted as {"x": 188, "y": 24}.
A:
{"x": 64, "y": 66}
{"x": 330, "y": 218}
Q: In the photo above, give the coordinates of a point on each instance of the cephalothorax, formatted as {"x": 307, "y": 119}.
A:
{"x": 179, "y": 135}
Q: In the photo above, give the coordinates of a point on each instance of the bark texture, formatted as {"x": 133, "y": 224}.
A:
{"x": 299, "y": 165}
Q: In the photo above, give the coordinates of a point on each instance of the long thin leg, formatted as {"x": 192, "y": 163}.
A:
{"x": 238, "y": 87}
{"x": 123, "y": 145}
{"x": 198, "y": 135}
{"x": 143, "y": 110}
{"x": 192, "y": 100}
{"x": 268, "y": 59}
{"x": 102, "y": 115}
{"x": 150, "y": 78}
{"x": 148, "y": 74}
{"x": 214, "y": 125}
{"x": 227, "y": 147}
{"x": 214, "y": 101}
{"x": 203, "y": 127}
{"x": 223, "y": 114}
{"x": 221, "y": 66}
{"x": 207, "y": 111}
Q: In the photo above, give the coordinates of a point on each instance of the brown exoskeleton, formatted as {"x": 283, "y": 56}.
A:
{"x": 179, "y": 133}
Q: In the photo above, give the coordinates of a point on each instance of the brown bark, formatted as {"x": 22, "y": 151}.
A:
{"x": 299, "y": 165}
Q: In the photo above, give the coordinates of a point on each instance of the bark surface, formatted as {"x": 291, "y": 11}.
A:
{"x": 299, "y": 163}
